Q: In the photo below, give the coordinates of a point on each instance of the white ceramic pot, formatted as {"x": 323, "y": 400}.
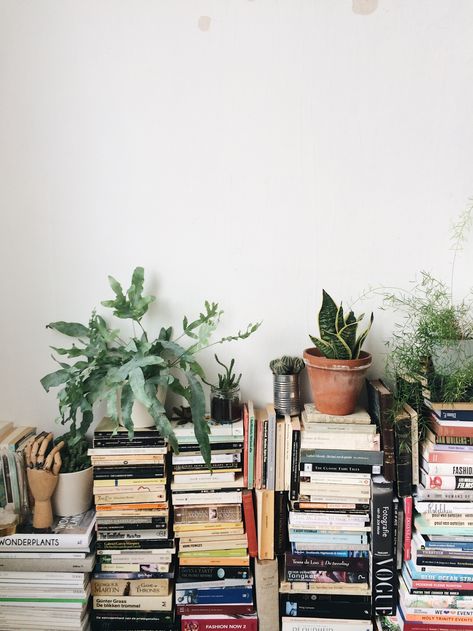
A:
{"x": 73, "y": 494}
{"x": 139, "y": 414}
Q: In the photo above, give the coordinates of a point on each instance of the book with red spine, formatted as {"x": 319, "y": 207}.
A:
{"x": 448, "y": 457}
{"x": 250, "y": 523}
{"x": 407, "y": 527}
{"x": 245, "y": 445}
{"x": 451, "y": 428}
{"x": 221, "y": 622}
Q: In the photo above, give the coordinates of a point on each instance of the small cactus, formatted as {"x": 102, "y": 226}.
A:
{"x": 287, "y": 365}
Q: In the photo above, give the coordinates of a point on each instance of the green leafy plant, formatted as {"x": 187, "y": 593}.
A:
{"x": 287, "y": 365}
{"x": 338, "y": 331}
{"x": 74, "y": 452}
{"x": 105, "y": 367}
{"x": 228, "y": 380}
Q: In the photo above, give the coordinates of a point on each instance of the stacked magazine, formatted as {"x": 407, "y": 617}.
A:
{"x": 131, "y": 584}
{"x": 214, "y": 581}
{"x": 44, "y": 578}
{"x": 436, "y": 585}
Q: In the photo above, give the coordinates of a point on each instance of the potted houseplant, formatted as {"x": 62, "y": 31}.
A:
{"x": 286, "y": 372}
{"x": 106, "y": 367}
{"x": 337, "y": 365}
{"x": 225, "y": 395}
{"x": 73, "y": 494}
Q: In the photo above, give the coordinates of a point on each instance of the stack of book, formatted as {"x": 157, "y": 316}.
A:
{"x": 13, "y": 491}
{"x": 131, "y": 583}
{"x": 214, "y": 583}
{"x": 326, "y": 571}
{"x": 44, "y": 578}
{"x": 436, "y": 585}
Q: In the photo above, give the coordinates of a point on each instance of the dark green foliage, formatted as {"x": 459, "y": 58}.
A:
{"x": 74, "y": 452}
{"x": 287, "y": 365}
{"x": 338, "y": 331}
{"x": 104, "y": 367}
{"x": 228, "y": 380}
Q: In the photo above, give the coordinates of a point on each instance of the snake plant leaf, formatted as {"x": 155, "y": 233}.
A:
{"x": 327, "y": 316}
{"x": 324, "y": 347}
{"x": 339, "y": 320}
{"x": 201, "y": 426}
{"x": 161, "y": 421}
{"x": 359, "y": 342}
{"x": 55, "y": 379}
{"x": 342, "y": 350}
{"x": 72, "y": 329}
{"x": 348, "y": 334}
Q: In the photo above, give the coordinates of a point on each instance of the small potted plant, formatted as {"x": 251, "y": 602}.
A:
{"x": 225, "y": 396}
{"x": 73, "y": 494}
{"x": 127, "y": 373}
{"x": 337, "y": 365}
{"x": 286, "y": 372}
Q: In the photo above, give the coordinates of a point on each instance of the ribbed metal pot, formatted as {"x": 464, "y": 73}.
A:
{"x": 286, "y": 394}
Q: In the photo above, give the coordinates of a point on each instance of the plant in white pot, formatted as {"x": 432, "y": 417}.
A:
{"x": 129, "y": 373}
{"x": 337, "y": 365}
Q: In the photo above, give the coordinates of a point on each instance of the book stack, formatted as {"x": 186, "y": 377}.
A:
{"x": 131, "y": 583}
{"x": 13, "y": 492}
{"x": 436, "y": 585}
{"x": 326, "y": 571}
{"x": 44, "y": 578}
{"x": 214, "y": 585}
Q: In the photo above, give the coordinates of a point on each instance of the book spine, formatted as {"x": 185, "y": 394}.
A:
{"x": 295, "y": 464}
{"x": 338, "y": 468}
{"x": 222, "y": 624}
{"x": 342, "y": 456}
{"x": 195, "y": 610}
{"x": 329, "y": 563}
{"x": 264, "y": 468}
{"x": 267, "y": 585}
{"x": 325, "y": 576}
{"x": 433, "y": 468}
{"x": 251, "y": 447}
{"x": 259, "y": 455}
{"x": 451, "y": 430}
{"x": 415, "y": 448}
{"x": 454, "y": 415}
{"x": 448, "y": 482}
{"x": 245, "y": 445}
{"x": 214, "y": 595}
{"x": 250, "y": 523}
{"x": 143, "y": 587}
{"x": 403, "y": 441}
{"x": 212, "y": 573}
{"x": 271, "y": 467}
{"x": 157, "y": 603}
{"x": 280, "y": 522}
{"x": 447, "y": 457}
{"x": 407, "y": 527}
{"x": 384, "y": 575}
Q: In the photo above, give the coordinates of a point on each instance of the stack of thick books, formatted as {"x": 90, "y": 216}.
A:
{"x": 44, "y": 578}
{"x": 326, "y": 571}
{"x": 214, "y": 583}
{"x": 436, "y": 586}
{"x": 131, "y": 584}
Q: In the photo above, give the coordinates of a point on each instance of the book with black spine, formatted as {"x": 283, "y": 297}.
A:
{"x": 380, "y": 407}
{"x": 384, "y": 563}
{"x": 280, "y": 522}
{"x": 295, "y": 459}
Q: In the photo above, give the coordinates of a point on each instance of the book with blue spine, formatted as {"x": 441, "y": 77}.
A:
{"x": 422, "y": 573}
{"x": 214, "y": 595}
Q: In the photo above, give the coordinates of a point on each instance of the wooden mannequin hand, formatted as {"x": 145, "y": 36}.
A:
{"x": 42, "y": 473}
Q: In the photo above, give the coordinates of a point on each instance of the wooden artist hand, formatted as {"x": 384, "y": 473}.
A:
{"x": 42, "y": 472}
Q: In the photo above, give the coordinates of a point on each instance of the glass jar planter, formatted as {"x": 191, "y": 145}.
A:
{"x": 225, "y": 405}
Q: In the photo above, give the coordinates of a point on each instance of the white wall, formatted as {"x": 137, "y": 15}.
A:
{"x": 293, "y": 145}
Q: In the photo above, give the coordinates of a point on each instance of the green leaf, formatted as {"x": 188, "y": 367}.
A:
{"x": 324, "y": 347}
{"x": 55, "y": 379}
{"x": 161, "y": 421}
{"x": 339, "y": 320}
{"x": 126, "y": 401}
{"x": 361, "y": 339}
{"x": 116, "y": 287}
{"x": 72, "y": 329}
{"x": 327, "y": 316}
{"x": 342, "y": 350}
{"x": 201, "y": 426}
{"x": 137, "y": 383}
{"x": 74, "y": 351}
{"x": 112, "y": 404}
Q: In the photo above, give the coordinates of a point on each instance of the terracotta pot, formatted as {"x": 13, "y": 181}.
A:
{"x": 336, "y": 383}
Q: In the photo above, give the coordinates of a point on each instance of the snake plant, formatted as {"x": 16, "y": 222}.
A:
{"x": 338, "y": 331}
